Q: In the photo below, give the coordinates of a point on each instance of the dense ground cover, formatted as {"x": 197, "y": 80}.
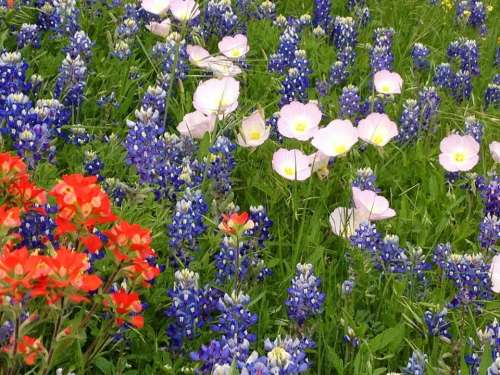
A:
{"x": 374, "y": 255}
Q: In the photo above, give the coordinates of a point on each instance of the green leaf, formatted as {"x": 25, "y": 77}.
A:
{"x": 336, "y": 361}
{"x": 486, "y": 360}
{"x": 105, "y": 366}
{"x": 390, "y": 337}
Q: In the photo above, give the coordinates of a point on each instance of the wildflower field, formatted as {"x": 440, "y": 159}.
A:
{"x": 249, "y": 187}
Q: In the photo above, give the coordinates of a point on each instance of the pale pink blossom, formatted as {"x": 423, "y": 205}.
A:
{"x": 160, "y": 28}
{"x": 158, "y": 7}
{"x": 292, "y": 164}
{"x": 377, "y": 129}
{"x": 184, "y": 10}
{"x": 234, "y": 47}
{"x": 319, "y": 163}
{"x": 459, "y": 153}
{"x": 495, "y": 274}
{"x": 495, "y": 151}
{"x": 336, "y": 139}
{"x": 344, "y": 221}
{"x": 217, "y": 96}
{"x": 299, "y": 121}
{"x": 253, "y": 131}
{"x": 371, "y": 206}
{"x": 221, "y": 66}
{"x": 196, "y": 125}
{"x": 198, "y": 56}
{"x": 387, "y": 82}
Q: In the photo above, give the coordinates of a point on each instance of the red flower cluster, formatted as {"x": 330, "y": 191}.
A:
{"x": 236, "y": 223}
{"x": 63, "y": 272}
{"x": 127, "y": 307}
{"x": 29, "y": 347}
{"x": 82, "y": 204}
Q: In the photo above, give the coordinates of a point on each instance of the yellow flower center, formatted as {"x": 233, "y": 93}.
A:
{"x": 235, "y": 52}
{"x": 254, "y": 135}
{"x": 289, "y": 171}
{"x": 300, "y": 126}
{"x": 378, "y": 138}
{"x": 385, "y": 88}
{"x": 459, "y": 156}
{"x": 340, "y": 149}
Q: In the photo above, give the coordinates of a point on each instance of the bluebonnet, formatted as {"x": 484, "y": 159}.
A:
{"x": 429, "y": 103}
{"x": 305, "y": 300}
{"x": 469, "y": 273}
{"x": 474, "y": 128}
{"x": 467, "y": 52}
{"x": 117, "y": 190}
{"x": 490, "y": 193}
{"x": 420, "y": 55}
{"x": 286, "y": 356}
{"x": 15, "y": 112}
{"x": 93, "y": 165}
{"x": 121, "y": 49}
{"x": 247, "y": 252}
{"x": 12, "y": 75}
{"x": 232, "y": 255}
{"x": 171, "y": 52}
{"x": 349, "y": 102}
{"x": 36, "y": 81}
{"x": 344, "y": 32}
{"x": 28, "y": 35}
{"x": 489, "y": 231}
{"x": 494, "y": 369}
{"x": 272, "y": 122}
{"x": 393, "y": 256}
{"x": 33, "y": 141}
{"x": 267, "y": 10}
{"x": 220, "y": 19}
{"x": 437, "y": 324}
{"x": 6, "y": 332}
{"x": 53, "y": 114}
{"x": 363, "y": 16}
{"x": 381, "y": 58}
{"x": 473, "y": 13}
{"x": 80, "y": 44}
{"x": 443, "y": 76}
{"x": 220, "y": 164}
{"x": 296, "y": 81}
{"x": 416, "y": 364}
{"x": 70, "y": 82}
{"x": 367, "y": 238}
{"x": 373, "y": 104}
{"x": 492, "y": 93}
{"x": 365, "y": 180}
{"x": 339, "y": 73}
{"x": 260, "y": 233}
{"x": 321, "y": 14}
{"x": 347, "y": 287}
{"x": 352, "y": 4}
{"x": 235, "y": 318}
{"x": 154, "y": 98}
{"x": 409, "y": 122}
{"x": 347, "y": 55}
{"x": 280, "y": 61}
{"x": 461, "y": 86}
{"x": 187, "y": 225}
{"x": 77, "y": 135}
{"x": 37, "y": 228}
{"x": 127, "y": 28}
{"x": 60, "y": 16}
{"x": 383, "y": 37}
{"x": 185, "y": 308}
{"x": 491, "y": 335}
{"x": 351, "y": 338}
